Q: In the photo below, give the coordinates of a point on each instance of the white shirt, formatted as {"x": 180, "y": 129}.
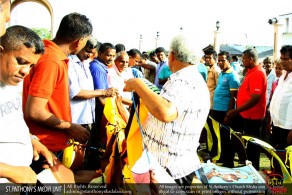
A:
{"x": 82, "y": 110}
{"x": 117, "y": 80}
{"x": 15, "y": 142}
{"x": 174, "y": 144}
{"x": 281, "y": 103}
{"x": 270, "y": 80}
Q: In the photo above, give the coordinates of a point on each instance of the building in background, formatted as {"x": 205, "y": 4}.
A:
{"x": 233, "y": 49}
{"x": 286, "y": 19}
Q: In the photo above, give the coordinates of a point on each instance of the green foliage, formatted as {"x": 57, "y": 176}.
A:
{"x": 43, "y": 33}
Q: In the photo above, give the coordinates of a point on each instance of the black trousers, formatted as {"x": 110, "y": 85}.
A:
{"x": 279, "y": 137}
{"x": 91, "y": 158}
{"x": 227, "y": 150}
{"x": 218, "y": 115}
{"x": 252, "y": 128}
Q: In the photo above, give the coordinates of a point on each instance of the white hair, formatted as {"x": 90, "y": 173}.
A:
{"x": 181, "y": 50}
{"x": 120, "y": 54}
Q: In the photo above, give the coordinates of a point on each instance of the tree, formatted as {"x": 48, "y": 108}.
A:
{"x": 43, "y": 33}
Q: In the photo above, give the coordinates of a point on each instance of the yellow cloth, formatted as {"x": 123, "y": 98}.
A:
{"x": 134, "y": 140}
{"x": 114, "y": 127}
{"x": 216, "y": 127}
{"x": 271, "y": 150}
{"x": 289, "y": 157}
{"x": 115, "y": 121}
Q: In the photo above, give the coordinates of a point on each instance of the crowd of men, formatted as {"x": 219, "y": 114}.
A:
{"x": 66, "y": 81}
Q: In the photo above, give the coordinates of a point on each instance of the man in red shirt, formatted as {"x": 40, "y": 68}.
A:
{"x": 251, "y": 102}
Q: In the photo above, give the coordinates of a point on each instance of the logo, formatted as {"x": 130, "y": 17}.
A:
{"x": 275, "y": 184}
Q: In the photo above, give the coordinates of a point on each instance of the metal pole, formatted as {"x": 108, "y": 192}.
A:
{"x": 246, "y": 39}
{"x": 216, "y": 45}
{"x": 157, "y": 37}
{"x": 140, "y": 42}
{"x": 277, "y": 37}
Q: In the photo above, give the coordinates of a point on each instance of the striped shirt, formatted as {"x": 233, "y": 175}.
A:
{"x": 174, "y": 144}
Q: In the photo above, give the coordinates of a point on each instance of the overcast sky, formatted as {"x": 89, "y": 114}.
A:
{"x": 123, "y": 21}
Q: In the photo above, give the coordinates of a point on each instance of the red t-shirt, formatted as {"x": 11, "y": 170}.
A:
{"x": 255, "y": 82}
{"x": 49, "y": 79}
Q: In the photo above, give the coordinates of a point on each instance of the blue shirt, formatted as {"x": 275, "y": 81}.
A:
{"x": 82, "y": 110}
{"x": 165, "y": 72}
{"x": 137, "y": 73}
{"x": 99, "y": 74}
{"x": 227, "y": 81}
{"x": 203, "y": 70}
{"x": 158, "y": 70}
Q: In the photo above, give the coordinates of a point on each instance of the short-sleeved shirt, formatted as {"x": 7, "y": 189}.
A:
{"x": 281, "y": 103}
{"x": 174, "y": 144}
{"x": 137, "y": 73}
{"x": 158, "y": 70}
{"x": 48, "y": 79}
{"x": 117, "y": 80}
{"x": 203, "y": 70}
{"x": 165, "y": 72}
{"x": 255, "y": 82}
{"x": 99, "y": 73}
{"x": 271, "y": 79}
{"x": 80, "y": 78}
{"x": 15, "y": 143}
{"x": 227, "y": 81}
{"x": 212, "y": 81}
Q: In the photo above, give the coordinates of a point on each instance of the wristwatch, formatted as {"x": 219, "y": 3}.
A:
{"x": 32, "y": 137}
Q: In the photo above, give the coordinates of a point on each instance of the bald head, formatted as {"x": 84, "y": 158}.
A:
{"x": 121, "y": 54}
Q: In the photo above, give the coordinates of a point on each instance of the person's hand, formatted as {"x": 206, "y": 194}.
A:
{"x": 22, "y": 174}
{"x": 39, "y": 148}
{"x": 119, "y": 98}
{"x": 226, "y": 120}
{"x": 79, "y": 133}
{"x": 141, "y": 63}
{"x": 110, "y": 92}
{"x": 231, "y": 113}
{"x": 229, "y": 116}
{"x": 128, "y": 84}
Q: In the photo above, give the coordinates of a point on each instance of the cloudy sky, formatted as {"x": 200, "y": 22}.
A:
{"x": 123, "y": 21}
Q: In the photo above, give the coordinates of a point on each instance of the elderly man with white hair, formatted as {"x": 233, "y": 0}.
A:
{"x": 177, "y": 115}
